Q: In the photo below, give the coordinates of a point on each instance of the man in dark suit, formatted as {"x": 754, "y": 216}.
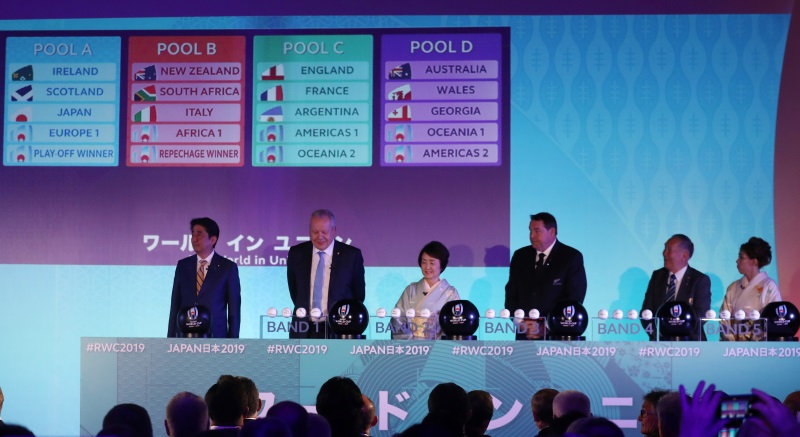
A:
{"x": 323, "y": 271}
{"x": 545, "y": 272}
{"x": 677, "y": 281}
{"x": 207, "y": 279}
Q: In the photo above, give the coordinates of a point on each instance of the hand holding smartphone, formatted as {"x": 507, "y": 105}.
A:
{"x": 734, "y": 409}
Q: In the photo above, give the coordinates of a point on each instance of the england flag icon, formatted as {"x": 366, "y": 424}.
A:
{"x": 274, "y": 72}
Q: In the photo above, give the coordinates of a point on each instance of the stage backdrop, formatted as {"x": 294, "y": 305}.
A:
{"x": 398, "y": 376}
{"x": 628, "y": 128}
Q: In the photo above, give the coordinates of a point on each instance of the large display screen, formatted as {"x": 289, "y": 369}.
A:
{"x": 196, "y": 104}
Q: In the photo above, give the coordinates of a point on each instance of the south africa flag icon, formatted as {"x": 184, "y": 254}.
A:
{"x": 146, "y": 94}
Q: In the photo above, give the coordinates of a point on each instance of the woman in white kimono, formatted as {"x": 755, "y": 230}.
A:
{"x": 429, "y": 293}
{"x": 753, "y": 291}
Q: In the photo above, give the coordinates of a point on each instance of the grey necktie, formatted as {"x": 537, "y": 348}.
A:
{"x": 319, "y": 279}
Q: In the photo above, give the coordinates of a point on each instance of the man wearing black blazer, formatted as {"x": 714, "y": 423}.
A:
{"x": 545, "y": 272}
{"x": 342, "y": 271}
{"x": 690, "y": 285}
{"x": 217, "y": 287}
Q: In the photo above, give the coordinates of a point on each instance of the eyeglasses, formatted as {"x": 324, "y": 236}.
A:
{"x": 644, "y": 413}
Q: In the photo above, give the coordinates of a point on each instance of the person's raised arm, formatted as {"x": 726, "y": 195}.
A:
{"x": 699, "y": 414}
{"x": 773, "y": 415}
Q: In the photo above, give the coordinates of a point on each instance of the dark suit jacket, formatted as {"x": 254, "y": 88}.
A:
{"x": 548, "y": 431}
{"x": 226, "y": 432}
{"x": 695, "y": 289}
{"x": 346, "y": 279}
{"x": 221, "y": 294}
{"x": 563, "y": 277}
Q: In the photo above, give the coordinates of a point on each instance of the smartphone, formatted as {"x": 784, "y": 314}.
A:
{"x": 735, "y": 409}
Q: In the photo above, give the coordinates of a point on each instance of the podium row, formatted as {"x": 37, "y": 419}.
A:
{"x": 566, "y": 321}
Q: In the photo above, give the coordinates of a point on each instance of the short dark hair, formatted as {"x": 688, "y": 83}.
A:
{"x": 226, "y": 401}
{"x": 654, "y": 395}
{"x": 669, "y": 412}
{"x": 542, "y": 404}
{"x": 758, "y": 249}
{"x": 132, "y": 416}
{"x": 448, "y": 406}
{"x": 436, "y": 250}
{"x": 250, "y": 394}
{"x": 548, "y": 220}
{"x": 685, "y": 242}
{"x": 480, "y": 402}
{"x": 211, "y": 227}
{"x": 339, "y": 402}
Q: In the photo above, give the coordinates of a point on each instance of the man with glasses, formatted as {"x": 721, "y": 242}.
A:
{"x": 647, "y": 415}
